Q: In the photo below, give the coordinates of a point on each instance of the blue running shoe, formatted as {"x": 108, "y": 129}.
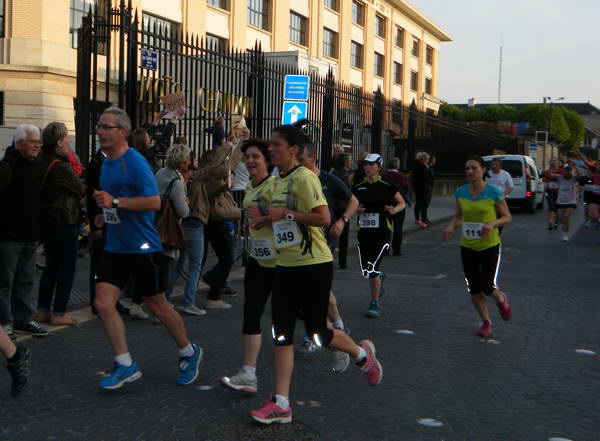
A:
{"x": 374, "y": 310}
{"x": 189, "y": 367}
{"x": 121, "y": 375}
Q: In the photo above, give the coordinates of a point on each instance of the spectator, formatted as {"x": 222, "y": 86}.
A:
{"x": 217, "y": 131}
{"x": 61, "y": 193}
{"x": 341, "y": 169}
{"x": 75, "y": 163}
{"x": 399, "y": 180}
{"x": 20, "y": 204}
{"x": 422, "y": 180}
{"x": 140, "y": 140}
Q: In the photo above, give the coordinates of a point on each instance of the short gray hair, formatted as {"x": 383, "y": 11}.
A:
{"x": 177, "y": 154}
{"x": 422, "y": 155}
{"x": 394, "y": 163}
{"x": 22, "y": 131}
{"x": 122, "y": 119}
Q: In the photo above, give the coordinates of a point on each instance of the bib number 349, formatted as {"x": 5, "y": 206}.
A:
{"x": 286, "y": 234}
{"x": 472, "y": 230}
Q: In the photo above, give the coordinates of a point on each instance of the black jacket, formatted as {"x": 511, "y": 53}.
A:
{"x": 92, "y": 183}
{"x": 20, "y": 197}
{"x": 422, "y": 177}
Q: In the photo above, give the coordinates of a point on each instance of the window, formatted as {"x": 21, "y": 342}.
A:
{"x": 414, "y": 80}
{"x": 356, "y": 55}
{"x": 221, "y": 4}
{"x": 415, "y": 48}
{"x": 356, "y": 97}
{"x": 397, "y": 73}
{"x": 428, "y": 86}
{"x": 331, "y": 4}
{"x": 399, "y": 36}
{"x": 298, "y": 26}
{"x": 429, "y": 55}
{"x": 380, "y": 26}
{"x": 358, "y": 13}
{"x": 157, "y": 26}
{"x": 379, "y": 67}
{"x": 397, "y": 112}
{"x": 258, "y": 13}
{"x": 215, "y": 43}
{"x": 2, "y": 19}
{"x": 79, "y": 9}
{"x": 330, "y": 41}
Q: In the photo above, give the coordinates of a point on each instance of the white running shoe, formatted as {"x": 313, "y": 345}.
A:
{"x": 136, "y": 311}
{"x": 194, "y": 310}
{"x": 242, "y": 381}
{"x": 217, "y": 304}
{"x": 341, "y": 360}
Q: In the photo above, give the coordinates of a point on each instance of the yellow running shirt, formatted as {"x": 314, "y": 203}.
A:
{"x": 262, "y": 248}
{"x": 299, "y": 244}
{"x": 477, "y": 212}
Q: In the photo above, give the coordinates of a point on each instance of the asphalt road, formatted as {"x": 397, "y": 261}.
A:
{"x": 526, "y": 383}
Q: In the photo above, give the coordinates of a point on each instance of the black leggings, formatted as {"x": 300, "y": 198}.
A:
{"x": 302, "y": 292}
{"x": 258, "y": 284}
{"x": 422, "y": 201}
{"x": 481, "y": 269}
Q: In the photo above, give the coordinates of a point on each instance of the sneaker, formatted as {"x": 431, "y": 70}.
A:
{"x": 307, "y": 347}
{"x": 485, "y": 330}
{"x": 565, "y": 238}
{"x": 228, "y": 291}
{"x": 272, "y": 413}
{"x": 9, "y": 331}
{"x": 505, "y": 309}
{"x": 217, "y": 304}
{"x": 242, "y": 381}
{"x": 421, "y": 224}
{"x": 370, "y": 365}
{"x": 374, "y": 309}
{"x": 137, "y": 312}
{"x": 19, "y": 370}
{"x": 341, "y": 360}
{"x": 193, "y": 310}
{"x": 189, "y": 366}
{"x": 120, "y": 375}
{"x": 32, "y": 328}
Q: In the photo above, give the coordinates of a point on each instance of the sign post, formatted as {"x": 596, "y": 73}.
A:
{"x": 295, "y": 95}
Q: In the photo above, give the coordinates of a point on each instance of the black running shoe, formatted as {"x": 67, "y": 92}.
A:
{"x": 19, "y": 370}
{"x": 32, "y": 328}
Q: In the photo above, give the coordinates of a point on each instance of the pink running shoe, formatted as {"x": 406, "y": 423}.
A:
{"x": 486, "y": 329}
{"x": 370, "y": 365}
{"x": 505, "y": 309}
{"x": 272, "y": 413}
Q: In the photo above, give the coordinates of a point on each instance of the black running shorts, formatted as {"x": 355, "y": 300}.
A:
{"x": 145, "y": 270}
{"x": 481, "y": 269}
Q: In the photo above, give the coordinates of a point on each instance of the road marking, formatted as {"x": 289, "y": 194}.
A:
{"x": 405, "y": 332}
{"x": 429, "y": 422}
{"x": 585, "y": 352}
{"x": 438, "y": 277}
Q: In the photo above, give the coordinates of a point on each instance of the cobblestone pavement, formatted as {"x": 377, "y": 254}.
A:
{"x": 530, "y": 385}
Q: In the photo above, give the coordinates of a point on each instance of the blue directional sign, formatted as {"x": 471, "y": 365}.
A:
{"x": 296, "y": 87}
{"x": 149, "y": 59}
{"x": 293, "y": 111}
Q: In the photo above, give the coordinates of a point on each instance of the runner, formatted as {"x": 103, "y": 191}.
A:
{"x": 18, "y": 360}
{"x": 260, "y": 266}
{"x": 481, "y": 209}
{"x": 566, "y": 200}
{"x": 298, "y": 213}
{"x": 501, "y": 179}
{"x": 379, "y": 201}
{"x": 129, "y": 197}
{"x": 551, "y": 193}
{"x": 592, "y": 191}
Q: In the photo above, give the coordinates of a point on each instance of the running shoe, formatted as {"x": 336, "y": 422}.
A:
{"x": 9, "y": 331}
{"x": 193, "y": 310}
{"x": 228, "y": 291}
{"x": 341, "y": 360}
{"x": 242, "y": 381}
{"x": 19, "y": 370}
{"x": 272, "y": 413}
{"x": 188, "y": 366}
{"x": 32, "y": 328}
{"x": 374, "y": 309}
{"x": 307, "y": 347}
{"x": 120, "y": 375}
{"x": 505, "y": 309}
{"x": 486, "y": 329}
{"x": 217, "y": 304}
{"x": 565, "y": 238}
{"x": 137, "y": 312}
{"x": 421, "y": 224}
{"x": 370, "y": 365}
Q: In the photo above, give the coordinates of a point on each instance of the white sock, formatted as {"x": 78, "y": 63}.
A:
{"x": 282, "y": 402}
{"x": 124, "y": 359}
{"x": 250, "y": 370}
{"x": 187, "y": 351}
{"x": 338, "y": 324}
{"x": 362, "y": 354}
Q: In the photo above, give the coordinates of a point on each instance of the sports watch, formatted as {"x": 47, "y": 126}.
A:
{"x": 115, "y": 202}
{"x": 290, "y": 216}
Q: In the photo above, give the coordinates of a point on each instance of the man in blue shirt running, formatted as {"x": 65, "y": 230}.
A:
{"x": 128, "y": 197}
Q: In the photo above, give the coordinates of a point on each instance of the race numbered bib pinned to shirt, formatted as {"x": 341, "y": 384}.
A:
{"x": 262, "y": 249}
{"x": 553, "y": 185}
{"x": 592, "y": 188}
{"x": 472, "y": 230}
{"x": 286, "y": 234}
{"x": 368, "y": 220}
{"x": 111, "y": 216}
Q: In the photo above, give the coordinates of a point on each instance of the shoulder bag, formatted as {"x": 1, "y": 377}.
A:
{"x": 168, "y": 224}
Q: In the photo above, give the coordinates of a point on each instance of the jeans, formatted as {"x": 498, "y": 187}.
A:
{"x": 193, "y": 252}
{"x": 17, "y": 261}
{"x": 61, "y": 247}
{"x": 220, "y": 239}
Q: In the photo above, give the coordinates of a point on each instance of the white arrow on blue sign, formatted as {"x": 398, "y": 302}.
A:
{"x": 293, "y": 111}
{"x": 296, "y": 87}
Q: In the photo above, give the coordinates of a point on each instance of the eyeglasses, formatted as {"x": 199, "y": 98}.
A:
{"x": 106, "y": 127}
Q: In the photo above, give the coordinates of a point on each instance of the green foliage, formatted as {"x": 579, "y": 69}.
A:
{"x": 473, "y": 114}
{"x": 576, "y": 127}
{"x": 500, "y": 112}
{"x": 547, "y": 117}
{"x": 451, "y": 112}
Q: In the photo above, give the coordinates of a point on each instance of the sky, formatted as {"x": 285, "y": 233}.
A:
{"x": 550, "y": 48}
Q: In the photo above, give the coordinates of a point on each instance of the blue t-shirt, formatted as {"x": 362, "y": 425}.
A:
{"x": 130, "y": 176}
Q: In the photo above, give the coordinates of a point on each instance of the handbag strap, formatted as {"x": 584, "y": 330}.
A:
{"x": 170, "y": 188}
{"x": 48, "y": 171}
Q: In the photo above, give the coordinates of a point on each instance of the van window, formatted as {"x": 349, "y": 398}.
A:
{"x": 513, "y": 166}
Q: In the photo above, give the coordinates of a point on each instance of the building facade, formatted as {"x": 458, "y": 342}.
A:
{"x": 369, "y": 44}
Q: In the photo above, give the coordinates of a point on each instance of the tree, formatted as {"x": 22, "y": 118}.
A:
{"x": 546, "y": 117}
{"x": 452, "y": 112}
{"x": 500, "y": 112}
{"x": 576, "y": 127}
{"x": 473, "y": 114}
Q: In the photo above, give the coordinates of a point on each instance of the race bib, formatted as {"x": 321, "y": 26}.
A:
{"x": 368, "y": 220}
{"x": 553, "y": 185}
{"x": 262, "y": 249}
{"x": 111, "y": 216}
{"x": 472, "y": 230}
{"x": 286, "y": 234}
{"x": 592, "y": 188}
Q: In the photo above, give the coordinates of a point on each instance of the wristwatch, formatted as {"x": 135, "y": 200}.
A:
{"x": 115, "y": 202}
{"x": 345, "y": 219}
{"x": 290, "y": 216}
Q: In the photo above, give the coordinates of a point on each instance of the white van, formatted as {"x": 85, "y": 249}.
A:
{"x": 528, "y": 189}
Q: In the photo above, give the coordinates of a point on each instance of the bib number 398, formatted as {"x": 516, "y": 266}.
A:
{"x": 286, "y": 234}
{"x": 472, "y": 230}
{"x": 262, "y": 249}
{"x": 368, "y": 220}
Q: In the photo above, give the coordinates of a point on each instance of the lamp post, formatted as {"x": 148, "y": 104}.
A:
{"x": 548, "y": 99}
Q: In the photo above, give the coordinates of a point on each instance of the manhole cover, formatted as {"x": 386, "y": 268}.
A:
{"x": 295, "y": 431}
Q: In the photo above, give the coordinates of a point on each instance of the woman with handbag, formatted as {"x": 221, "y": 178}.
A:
{"x": 61, "y": 194}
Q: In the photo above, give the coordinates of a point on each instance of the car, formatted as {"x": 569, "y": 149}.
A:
{"x": 528, "y": 189}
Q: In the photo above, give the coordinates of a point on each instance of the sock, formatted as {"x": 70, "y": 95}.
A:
{"x": 250, "y": 370}
{"x": 362, "y": 354}
{"x": 338, "y": 324}
{"x": 187, "y": 351}
{"x": 282, "y": 402}
{"x": 124, "y": 359}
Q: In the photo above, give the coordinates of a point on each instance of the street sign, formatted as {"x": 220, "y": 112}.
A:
{"x": 293, "y": 111}
{"x": 533, "y": 151}
{"x": 149, "y": 59}
{"x": 296, "y": 87}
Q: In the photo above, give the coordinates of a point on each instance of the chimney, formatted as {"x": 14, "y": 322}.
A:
{"x": 471, "y": 102}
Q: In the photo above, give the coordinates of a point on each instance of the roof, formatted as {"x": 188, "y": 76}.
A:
{"x": 580, "y": 108}
{"x": 415, "y": 15}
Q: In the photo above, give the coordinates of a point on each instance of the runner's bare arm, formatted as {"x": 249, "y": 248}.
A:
{"x": 138, "y": 203}
{"x": 455, "y": 222}
{"x": 317, "y": 217}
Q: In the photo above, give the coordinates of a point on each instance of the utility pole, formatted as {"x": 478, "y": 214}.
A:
{"x": 500, "y": 67}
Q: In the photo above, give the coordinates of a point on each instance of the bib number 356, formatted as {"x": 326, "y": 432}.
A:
{"x": 285, "y": 234}
{"x": 472, "y": 230}
{"x": 262, "y": 249}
